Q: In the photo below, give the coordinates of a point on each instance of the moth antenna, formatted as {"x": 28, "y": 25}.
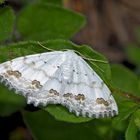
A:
{"x": 45, "y": 47}
{"x": 95, "y": 60}
{"x": 90, "y": 59}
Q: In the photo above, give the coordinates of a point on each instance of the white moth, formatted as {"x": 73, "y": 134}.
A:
{"x": 59, "y": 77}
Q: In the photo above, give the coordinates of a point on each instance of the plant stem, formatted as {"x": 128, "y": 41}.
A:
{"x": 126, "y": 94}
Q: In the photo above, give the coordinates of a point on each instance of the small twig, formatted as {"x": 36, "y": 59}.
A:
{"x": 126, "y": 94}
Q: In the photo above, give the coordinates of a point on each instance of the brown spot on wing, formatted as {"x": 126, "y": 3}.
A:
{"x": 80, "y": 97}
{"x": 36, "y": 84}
{"x": 10, "y": 72}
{"x": 68, "y": 95}
{"x": 15, "y": 73}
{"x": 102, "y": 101}
{"x": 53, "y": 92}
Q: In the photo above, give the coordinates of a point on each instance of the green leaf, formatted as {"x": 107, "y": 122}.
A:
{"x": 10, "y": 102}
{"x": 133, "y": 53}
{"x": 48, "y": 22}
{"x": 6, "y": 23}
{"x": 62, "y": 114}
{"x": 131, "y": 131}
{"x": 32, "y": 47}
{"x": 1, "y": 1}
{"x": 126, "y": 109}
{"x": 43, "y": 127}
{"x": 125, "y": 79}
{"x": 55, "y": 2}
{"x": 137, "y": 118}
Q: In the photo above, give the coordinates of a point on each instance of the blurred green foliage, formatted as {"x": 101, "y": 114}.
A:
{"x": 125, "y": 79}
{"x": 7, "y": 18}
{"x": 1, "y": 1}
{"x": 131, "y": 131}
{"x": 42, "y": 20}
{"x": 48, "y": 22}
